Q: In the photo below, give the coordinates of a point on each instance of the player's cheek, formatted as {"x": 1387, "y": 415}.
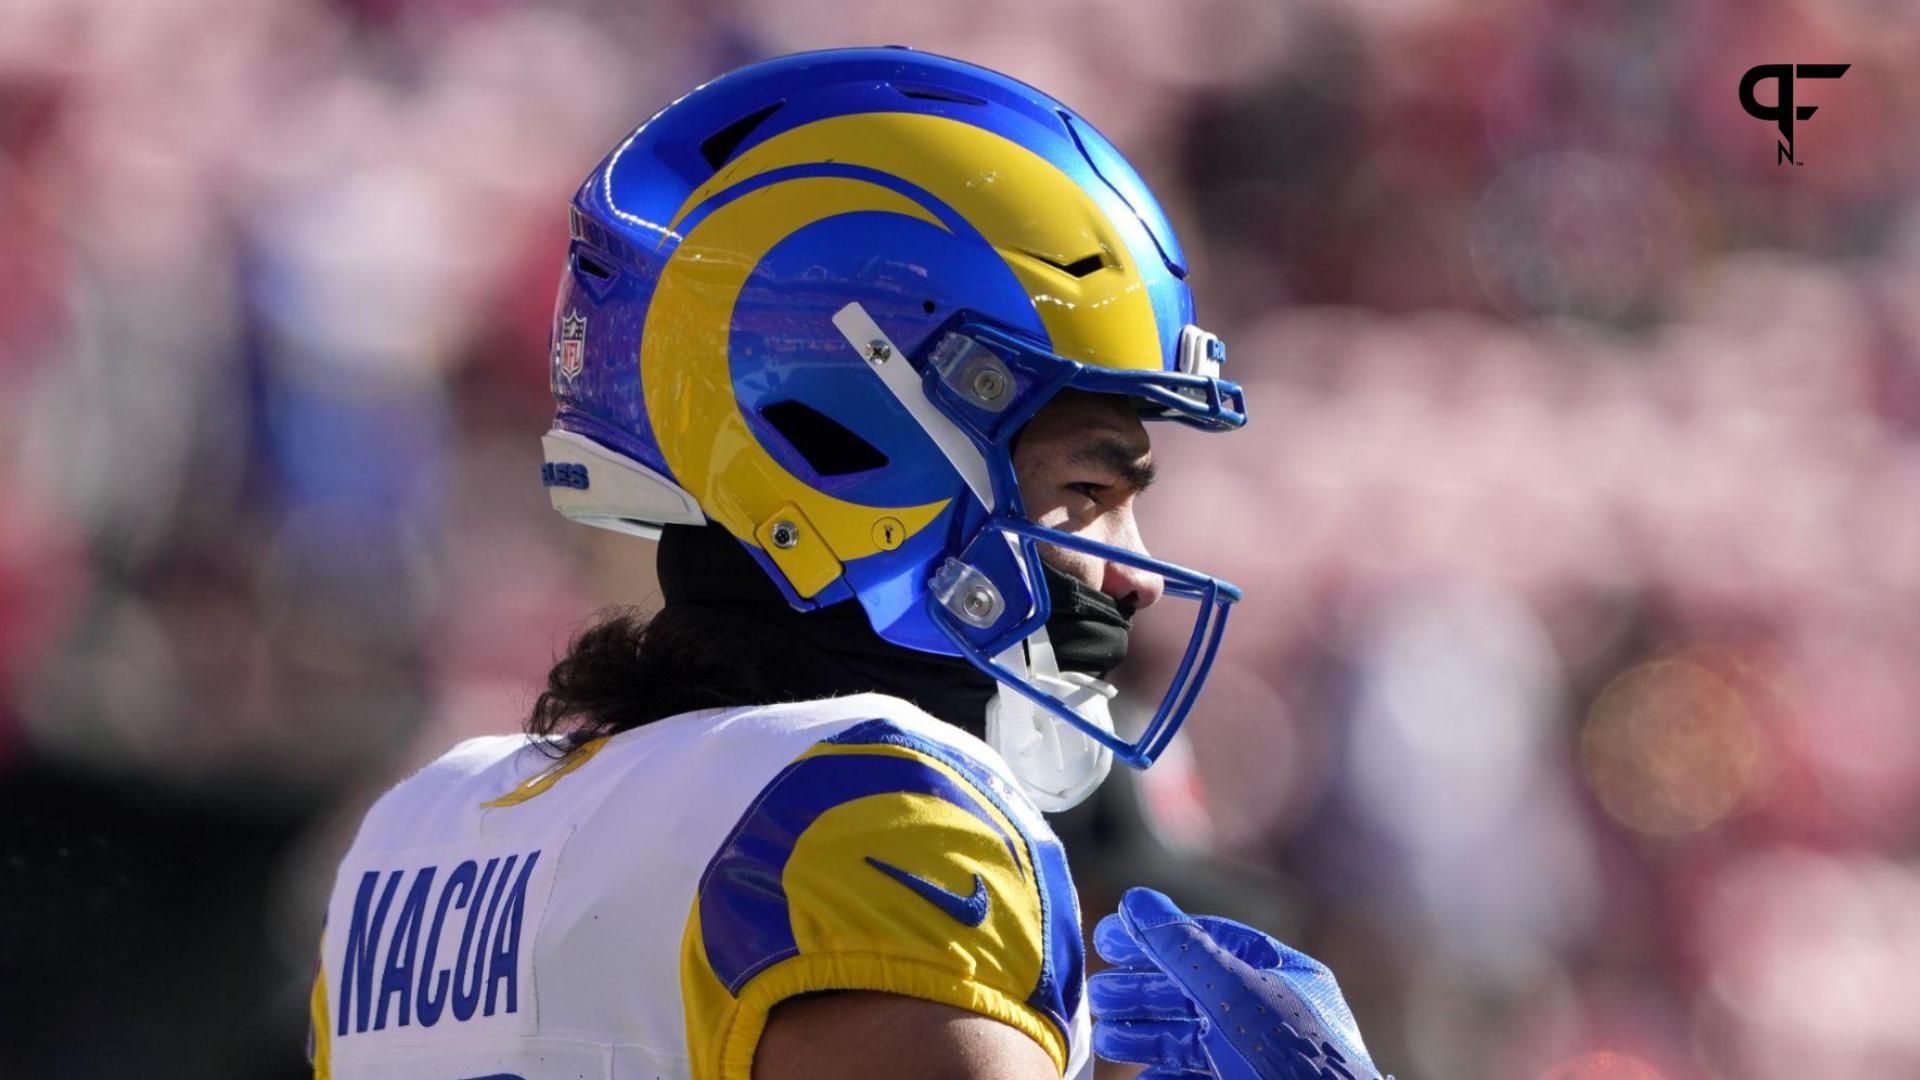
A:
{"x": 1054, "y": 515}
{"x": 1075, "y": 564}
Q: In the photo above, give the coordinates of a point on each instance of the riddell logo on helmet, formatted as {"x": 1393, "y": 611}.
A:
{"x": 573, "y": 344}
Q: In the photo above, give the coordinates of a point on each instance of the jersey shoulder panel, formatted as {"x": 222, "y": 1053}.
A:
{"x": 890, "y": 855}
{"x": 442, "y": 795}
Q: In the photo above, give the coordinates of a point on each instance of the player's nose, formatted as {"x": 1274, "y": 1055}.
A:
{"x": 1134, "y": 588}
{"x": 1131, "y": 586}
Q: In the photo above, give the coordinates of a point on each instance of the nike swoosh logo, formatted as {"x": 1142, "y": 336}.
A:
{"x": 966, "y": 910}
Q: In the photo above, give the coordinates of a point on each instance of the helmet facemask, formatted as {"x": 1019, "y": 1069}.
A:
{"x": 972, "y": 389}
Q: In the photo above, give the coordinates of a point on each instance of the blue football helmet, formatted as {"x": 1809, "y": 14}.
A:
{"x": 813, "y": 301}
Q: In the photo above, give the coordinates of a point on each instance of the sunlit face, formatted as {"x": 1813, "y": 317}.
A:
{"x": 1082, "y": 463}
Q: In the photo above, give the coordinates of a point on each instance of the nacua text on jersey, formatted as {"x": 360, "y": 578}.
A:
{"x": 411, "y": 970}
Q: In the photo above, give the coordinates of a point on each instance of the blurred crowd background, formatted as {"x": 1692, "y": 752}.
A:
{"x": 1573, "y": 715}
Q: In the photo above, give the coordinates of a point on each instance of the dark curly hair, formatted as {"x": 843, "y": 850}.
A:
{"x": 726, "y": 638}
{"x": 627, "y": 669}
{"x": 591, "y": 687}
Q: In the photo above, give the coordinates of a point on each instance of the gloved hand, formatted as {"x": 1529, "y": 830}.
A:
{"x": 1212, "y": 997}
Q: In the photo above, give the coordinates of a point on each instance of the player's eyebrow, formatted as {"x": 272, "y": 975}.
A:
{"x": 1118, "y": 457}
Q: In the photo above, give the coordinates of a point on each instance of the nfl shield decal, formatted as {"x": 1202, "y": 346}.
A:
{"x": 573, "y": 343}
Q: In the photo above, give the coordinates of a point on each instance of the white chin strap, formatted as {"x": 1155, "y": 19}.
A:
{"x": 1055, "y": 763}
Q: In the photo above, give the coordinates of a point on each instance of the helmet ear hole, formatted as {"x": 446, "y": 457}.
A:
{"x": 592, "y": 267}
{"x": 828, "y": 446}
{"x": 593, "y": 271}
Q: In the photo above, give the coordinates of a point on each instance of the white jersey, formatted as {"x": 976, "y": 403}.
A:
{"x": 634, "y": 908}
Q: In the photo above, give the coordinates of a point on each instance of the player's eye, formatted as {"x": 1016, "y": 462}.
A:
{"x": 1089, "y": 489}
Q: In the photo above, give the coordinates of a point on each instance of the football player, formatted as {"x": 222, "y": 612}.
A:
{"x": 871, "y": 342}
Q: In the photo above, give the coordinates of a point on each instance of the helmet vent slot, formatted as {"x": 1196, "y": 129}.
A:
{"x": 829, "y": 447}
{"x": 1083, "y": 267}
{"x": 937, "y": 93}
{"x": 592, "y": 267}
{"x": 1077, "y": 268}
{"x": 720, "y": 145}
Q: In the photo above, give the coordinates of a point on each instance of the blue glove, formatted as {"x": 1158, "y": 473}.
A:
{"x": 1204, "y": 996}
